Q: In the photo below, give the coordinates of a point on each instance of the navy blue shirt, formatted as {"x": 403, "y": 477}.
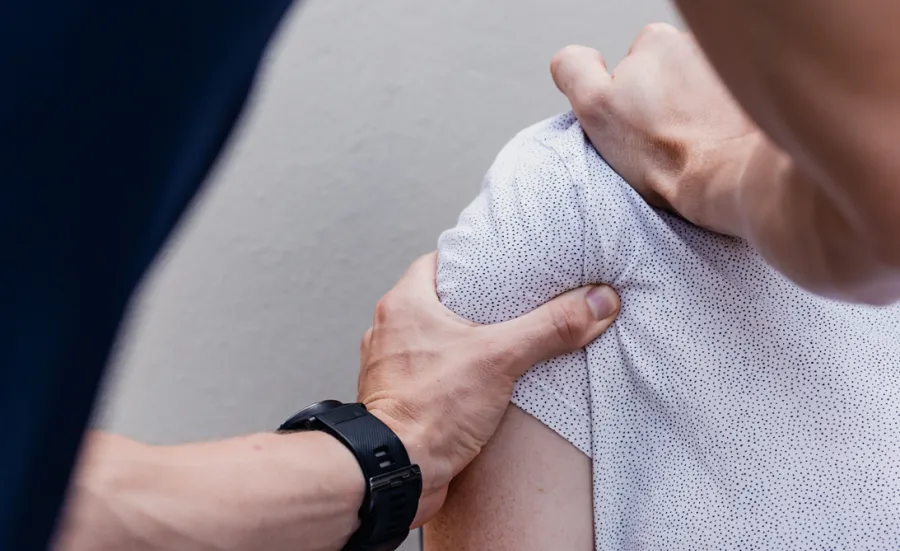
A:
{"x": 111, "y": 114}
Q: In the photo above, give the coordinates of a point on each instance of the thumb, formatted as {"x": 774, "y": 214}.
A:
{"x": 580, "y": 73}
{"x": 565, "y": 324}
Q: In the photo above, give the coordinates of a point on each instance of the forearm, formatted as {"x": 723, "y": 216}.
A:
{"x": 265, "y": 491}
{"x": 804, "y": 233}
{"x": 821, "y": 79}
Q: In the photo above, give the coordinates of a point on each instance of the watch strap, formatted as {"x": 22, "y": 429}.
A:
{"x": 393, "y": 487}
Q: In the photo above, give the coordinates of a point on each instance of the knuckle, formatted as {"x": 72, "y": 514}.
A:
{"x": 386, "y": 308}
{"x": 425, "y": 259}
{"x": 661, "y": 28}
{"x": 566, "y": 325}
{"x": 657, "y": 189}
{"x": 665, "y": 175}
{"x": 593, "y": 107}
{"x": 561, "y": 64}
{"x": 657, "y": 32}
{"x": 381, "y": 309}
{"x": 593, "y": 100}
{"x": 366, "y": 339}
{"x": 566, "y": 52}
{"x": 422, "y": 265}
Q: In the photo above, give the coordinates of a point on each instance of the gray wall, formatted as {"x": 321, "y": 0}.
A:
{"x": 371, "y": 128}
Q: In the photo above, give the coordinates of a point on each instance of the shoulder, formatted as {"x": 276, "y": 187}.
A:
{"x": 557, "y": 140}
{"x": 559, "y": 174}
{"x": 520, "y": 242}
{"x": 557, "y": 149}
{"x": 561, "y": 130}
{"x": 540, "y": 167}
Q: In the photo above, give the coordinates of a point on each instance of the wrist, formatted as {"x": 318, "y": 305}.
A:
{"x": 421, "y": 446}
{"x": 715, "y": 193}
{"x": 758, "y": 194}
{"x": 347, "y": 485}
{"x": 393, "y": 485}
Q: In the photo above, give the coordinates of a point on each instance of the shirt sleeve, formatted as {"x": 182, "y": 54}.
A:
{"x": 516, "y": 246}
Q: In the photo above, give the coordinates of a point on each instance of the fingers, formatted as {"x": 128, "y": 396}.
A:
{"x": 653, "y": 35}
{"x": 580, "y": 73}
{"x": 415, "y": 288}
{"x": 421, "y": 274}
{"x": 565, "y": 324}
{"x": 365, "y": 343}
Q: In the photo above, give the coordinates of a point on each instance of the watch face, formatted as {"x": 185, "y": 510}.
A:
{"x": 317, "y": 408}
{"x": 300, "y": 420}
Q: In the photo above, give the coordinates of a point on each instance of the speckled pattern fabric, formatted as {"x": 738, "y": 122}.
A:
{"x": 725, "y": 409}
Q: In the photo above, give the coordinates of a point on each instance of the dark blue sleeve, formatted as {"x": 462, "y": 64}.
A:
{"x": 111, "y": 114}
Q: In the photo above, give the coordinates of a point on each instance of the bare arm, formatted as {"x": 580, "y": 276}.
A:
{"x": 439, "y": 382}
{"x": 822, "y": 79}
{"x": 266, "y": 491}
{"x": 529, "y": 490}
{"x": 811, "y": 177}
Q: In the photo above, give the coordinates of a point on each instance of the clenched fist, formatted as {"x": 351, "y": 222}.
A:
{"x": 665, "y": 122}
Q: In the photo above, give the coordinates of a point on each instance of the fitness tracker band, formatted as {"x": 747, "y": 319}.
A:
{"x": 393, "y": 484}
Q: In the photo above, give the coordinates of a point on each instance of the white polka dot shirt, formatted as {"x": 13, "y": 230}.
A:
{"x": 726, "y": 408}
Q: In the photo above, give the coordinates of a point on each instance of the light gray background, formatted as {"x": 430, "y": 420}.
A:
{"x": 370, "y": 129}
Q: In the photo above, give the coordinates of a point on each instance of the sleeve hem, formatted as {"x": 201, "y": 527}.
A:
{"x": 576, "y": 429}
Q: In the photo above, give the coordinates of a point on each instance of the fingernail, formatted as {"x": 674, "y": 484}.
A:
{"x": 602, "y": 301}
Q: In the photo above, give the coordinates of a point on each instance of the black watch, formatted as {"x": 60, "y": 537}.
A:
{"x": 394, "y": 485}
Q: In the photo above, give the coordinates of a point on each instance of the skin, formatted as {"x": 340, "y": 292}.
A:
{"x": 513, "y": 499}
{"x": 441, "y": 383}
{"x": 791, "y": 145}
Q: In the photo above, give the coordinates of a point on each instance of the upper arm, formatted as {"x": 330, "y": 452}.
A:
{"x": 529, "y": 489}
{"x": 519, "y": 244}
{"x": 516, "y": 246}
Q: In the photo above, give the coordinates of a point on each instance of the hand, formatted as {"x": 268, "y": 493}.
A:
{"x": 443, "y": 383}
{"x": 665, "y": 123}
